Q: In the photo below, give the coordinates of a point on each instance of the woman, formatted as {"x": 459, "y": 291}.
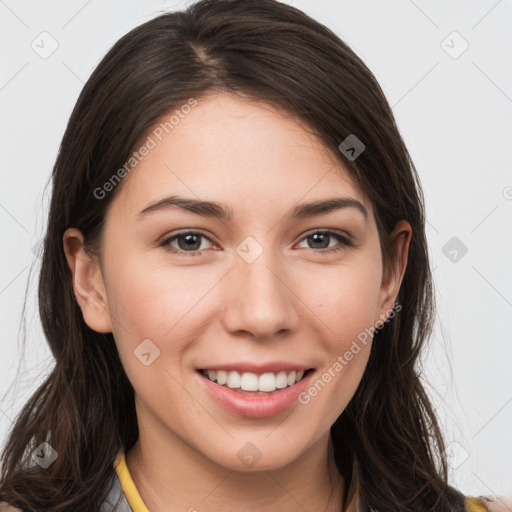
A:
{"x": 208, "y": 351}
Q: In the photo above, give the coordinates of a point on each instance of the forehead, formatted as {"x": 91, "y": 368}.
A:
{"x": 245, "y": 153}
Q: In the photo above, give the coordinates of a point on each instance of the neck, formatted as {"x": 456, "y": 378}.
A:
{"x": 182, "y": 478}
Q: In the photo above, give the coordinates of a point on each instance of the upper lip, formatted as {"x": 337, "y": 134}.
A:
{"x": 252, "y": 367}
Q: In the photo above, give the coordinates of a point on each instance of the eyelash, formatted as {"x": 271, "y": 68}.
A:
{"x": 345, "y": 242}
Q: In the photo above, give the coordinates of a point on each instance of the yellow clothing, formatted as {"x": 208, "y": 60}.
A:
{"x": 474, "y": 505}
{"x": 137, "y": 505}
{"x": 128, "y": 486}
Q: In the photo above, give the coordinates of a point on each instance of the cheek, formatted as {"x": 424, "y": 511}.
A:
{"x": 170, "y": 307}
{"x": 155, "y": 308}
{"x": 345, "y": 307}
{"x": 154, "y": 299}
{"x": 344, "y": 298}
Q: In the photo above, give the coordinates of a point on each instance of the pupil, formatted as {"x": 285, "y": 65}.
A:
{"x": 321, "y": 236}
{"x": 191, "y": 240}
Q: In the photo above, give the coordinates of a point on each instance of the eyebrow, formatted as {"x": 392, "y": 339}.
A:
{"x": 219, "y": 211}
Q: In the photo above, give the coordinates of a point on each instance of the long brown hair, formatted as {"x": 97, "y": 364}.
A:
{"x": 264, "y": 50}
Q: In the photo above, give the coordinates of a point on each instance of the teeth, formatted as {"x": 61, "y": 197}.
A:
{"x": 248, "y": 381}
{"x": 221, "y": 377}
{"x": 234, "y": 380}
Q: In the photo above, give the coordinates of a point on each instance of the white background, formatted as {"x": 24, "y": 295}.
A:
{"x": 455, "y": 115}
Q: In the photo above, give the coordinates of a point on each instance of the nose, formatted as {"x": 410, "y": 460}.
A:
{"x": 259, "y": 298}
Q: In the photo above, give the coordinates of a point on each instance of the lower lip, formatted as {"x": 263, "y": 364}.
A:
{"x": 253, "y": 405}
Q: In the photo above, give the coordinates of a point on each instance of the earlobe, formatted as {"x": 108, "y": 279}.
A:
{"x": 392, "y": 278}
{"x": 87, "y": 280}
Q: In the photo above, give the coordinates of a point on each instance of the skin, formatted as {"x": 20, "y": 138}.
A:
{"x": 294, "y": 303}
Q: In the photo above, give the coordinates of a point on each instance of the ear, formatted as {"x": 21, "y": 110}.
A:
{"x": 87, "y": 281}
{"x": 392, "y": 277}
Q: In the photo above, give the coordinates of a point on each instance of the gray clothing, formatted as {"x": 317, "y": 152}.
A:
{"x": 115, "y": 501}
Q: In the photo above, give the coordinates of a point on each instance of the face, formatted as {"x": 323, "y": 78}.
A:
{"x": 256, "y": 289}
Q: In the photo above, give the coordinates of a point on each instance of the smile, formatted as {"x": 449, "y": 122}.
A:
{"x": 254, "y": 403}
{"x": 257, "y": 383}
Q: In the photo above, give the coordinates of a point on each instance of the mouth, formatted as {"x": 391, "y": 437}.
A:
{"x": 259, "y": 393}
{"x": 255, "y": 383}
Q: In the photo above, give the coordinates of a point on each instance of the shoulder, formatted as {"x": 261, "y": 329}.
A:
{"x": 5, "y": 507}
{"x": 496, "y": 505}
{"x": 499, "y": 506}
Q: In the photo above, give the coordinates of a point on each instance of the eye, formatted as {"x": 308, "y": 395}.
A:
{"x": 322, "y": 239}
{"x": 187, "y": 241}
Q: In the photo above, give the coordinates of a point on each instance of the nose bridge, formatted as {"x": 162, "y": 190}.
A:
{"x": 260, "y": 299}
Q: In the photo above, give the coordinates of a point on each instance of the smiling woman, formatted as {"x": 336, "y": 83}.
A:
{"x": 238, "y": 316}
